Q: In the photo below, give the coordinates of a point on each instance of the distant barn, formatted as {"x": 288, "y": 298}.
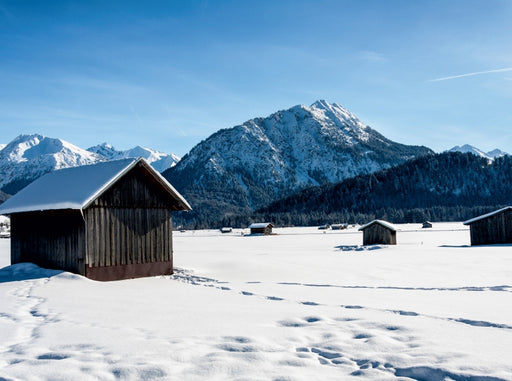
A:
{"x": 378, "y": 232}
{"x": 426, "y": 225}
{"x": 491, "y": 228}
{"x": 106, "y": 221}
{"x": 264, "y": 228}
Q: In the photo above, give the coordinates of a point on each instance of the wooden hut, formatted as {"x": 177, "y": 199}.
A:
{"x": 426, "y": 225}
{"x": 264, "y": 228}
{"x": 491, "y": 228}
{"x": 107, "y": 221}
{"x": 379, "y": 232}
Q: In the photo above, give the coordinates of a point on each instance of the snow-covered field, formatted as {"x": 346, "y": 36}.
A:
{"x": 299, "y": 305}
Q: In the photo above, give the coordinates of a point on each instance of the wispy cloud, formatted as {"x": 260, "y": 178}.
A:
{"x": 371, "y": 56}
{"x": 471, "y": 74}
{"x": 6, "y": 13}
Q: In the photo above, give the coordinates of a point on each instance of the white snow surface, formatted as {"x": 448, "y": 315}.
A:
{"x": 304, "y": 304}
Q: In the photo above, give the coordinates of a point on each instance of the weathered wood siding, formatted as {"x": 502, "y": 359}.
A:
{"x": 125, "y": 236}
{"x": 50, "y": 239}
{"x": 265, "y": 231}
{"x": 130, "y": 223}
{"x": 378, "y": 234}
{"x": 496, "y": 229}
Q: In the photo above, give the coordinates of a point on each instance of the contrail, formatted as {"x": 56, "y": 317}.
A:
{"x": 470, "y": 74}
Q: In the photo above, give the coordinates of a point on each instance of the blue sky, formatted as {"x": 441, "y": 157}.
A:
{"x": 167, "y": 74}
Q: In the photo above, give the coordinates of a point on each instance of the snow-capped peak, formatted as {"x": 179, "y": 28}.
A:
{"x": 29, "y": 156}
{"x": 495, "y": 153}
{"x": 341, "y": 117}
{"x": 26, "y": 148}
{"x": 159, "y": 160}
{"x": 466, "y": 148}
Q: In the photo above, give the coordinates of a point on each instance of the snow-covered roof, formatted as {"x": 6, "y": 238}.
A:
{"x": 77, "y": 187}
{"x": 260, "y": 225}
{"x": 469, "y": 222}
{"x": 380, "y": 222}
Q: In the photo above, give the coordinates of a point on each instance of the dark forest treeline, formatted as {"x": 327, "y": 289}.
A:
{"x": 442, "y": 187}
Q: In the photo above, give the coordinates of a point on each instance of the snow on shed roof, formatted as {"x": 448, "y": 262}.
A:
{"x": 260, "y": 225}
{"x": 380, "y": 222}
{"x": 469, "y": 222}
{"x": 77, "y": 187}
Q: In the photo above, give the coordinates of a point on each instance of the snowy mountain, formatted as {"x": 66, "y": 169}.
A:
{"x": 247, "y": 166}
{"x": 159, "y": 160}
{"x": 28, "y": 157}
{"x": 466, "y": 148}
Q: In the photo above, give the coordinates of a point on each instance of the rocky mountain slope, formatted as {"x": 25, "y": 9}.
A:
{"x": 239, "y": 169}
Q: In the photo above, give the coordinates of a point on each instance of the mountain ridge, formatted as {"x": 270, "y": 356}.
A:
{"x": 28, "y": 157}
{"x": 241, "y": 168}
{"x": 467, "y": 148}
{"x": 158, "y": 160}
{"x": 446, "y": 186}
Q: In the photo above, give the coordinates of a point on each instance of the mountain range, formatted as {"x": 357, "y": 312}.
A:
{"x": 158, "y": 160}
{"x": 28, "y": 157}
{"x": 240, "y": 169}
{"x": 491, "y": 155}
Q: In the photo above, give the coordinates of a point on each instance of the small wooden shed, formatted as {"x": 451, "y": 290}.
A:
{"x": 379, "y": 232}
{"x": 106, "y": 221}
{"x": 427, "y": 225}
{"x": 264, "y": 228}
{"x": 491, "y": 228}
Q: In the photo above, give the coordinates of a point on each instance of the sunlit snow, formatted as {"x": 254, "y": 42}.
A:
{"x": 304, "y": 304}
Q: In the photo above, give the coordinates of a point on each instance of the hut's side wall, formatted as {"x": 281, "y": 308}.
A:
{"x": 491, "y": 230}
{"x": 129, "y": 230}
{"x": 50, "y": 239}
{"x": 264, "y": 231}
{"x": 378, "y": 234}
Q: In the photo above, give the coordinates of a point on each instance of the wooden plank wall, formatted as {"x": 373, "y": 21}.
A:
{"x": 493, "y": 230}
{"x": 51, "y": 239}
{"x": 378, "y": 234}
{"x": 125, "y": 236}
{"x": 130, "y": 223}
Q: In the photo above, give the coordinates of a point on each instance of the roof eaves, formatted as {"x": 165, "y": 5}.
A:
{"x": 108, "y": 184}
{"x": 484, "y": 216}
{"x": 166, "y": 184}
{"x": 380, "y": 222}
